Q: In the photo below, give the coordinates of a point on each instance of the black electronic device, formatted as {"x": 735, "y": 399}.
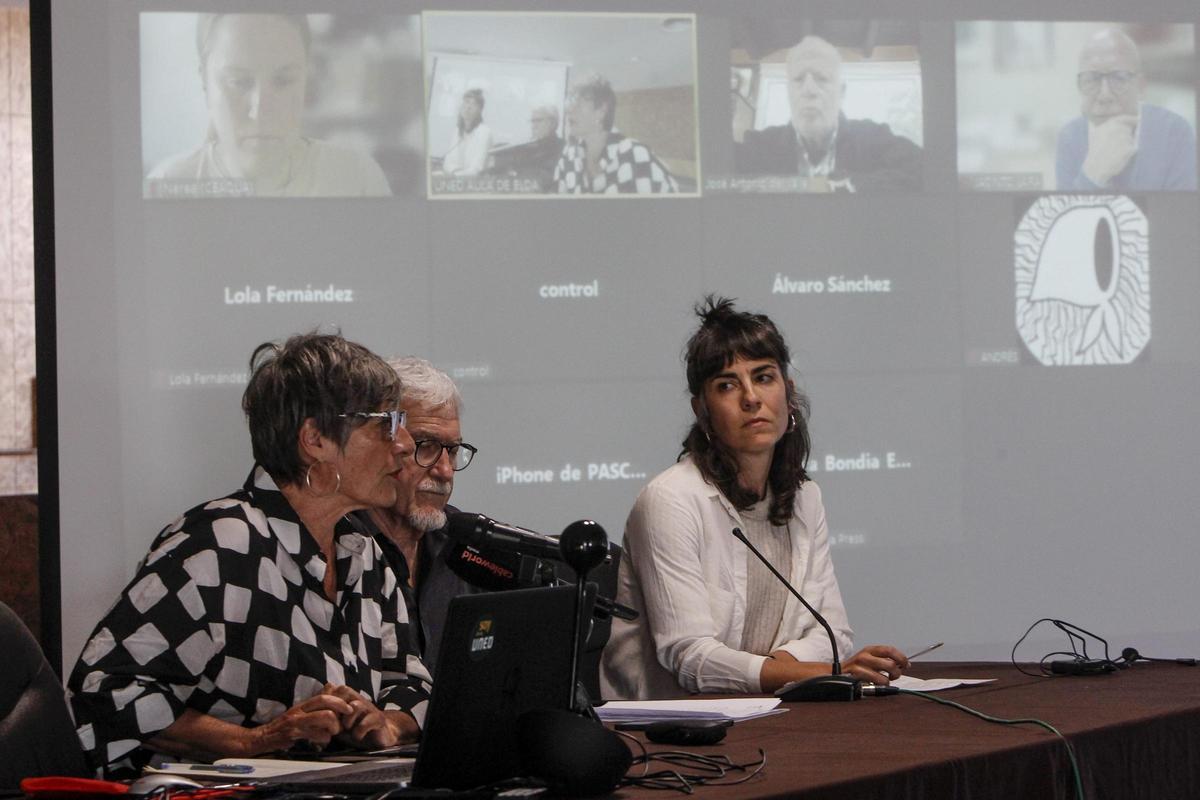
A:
{"x": 502, "y": 654}
{"x": 1082, "y": 666}
{"x": 577, "y": 756}
{"x": 1130, "y": 656}
{"x": 686, "y": 732}
{"x": 821, "y": 689}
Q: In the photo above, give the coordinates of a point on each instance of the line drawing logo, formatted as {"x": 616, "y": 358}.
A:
{"x": 1083, "y": 279}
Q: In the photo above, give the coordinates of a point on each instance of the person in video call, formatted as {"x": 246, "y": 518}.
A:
{"x": 598, "y": 159}
{"x": 412, "y": 531}
{"x": 536, "y": 158}
{"x": 469, "y": 154}
{"x": 1119, "y": 142}
{"x": 712, "y": 617}
{"x": 254, "y": 74}
{"x": 820, "y": 142}
{"x": 265, "y": 619}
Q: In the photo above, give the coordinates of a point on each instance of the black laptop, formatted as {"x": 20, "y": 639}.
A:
{"x": 502, "y": 654}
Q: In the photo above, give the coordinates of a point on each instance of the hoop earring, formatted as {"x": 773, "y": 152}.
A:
{"x": 791, "y": 423}
{"x": 308, "y": 480}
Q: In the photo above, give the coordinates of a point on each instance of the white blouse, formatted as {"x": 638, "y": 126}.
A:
{"x": 686, "y": 574}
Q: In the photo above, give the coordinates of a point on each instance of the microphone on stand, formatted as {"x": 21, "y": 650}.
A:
{"x": 834, "y": 686}
{"x": 484, "y": 533}
{"x": 584, "y": 546}
{"x": 500, "y": 568}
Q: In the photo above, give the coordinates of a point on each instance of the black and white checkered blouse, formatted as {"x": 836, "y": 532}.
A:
{"x": 228, "y": 616}
{"x": 626, "y": 167}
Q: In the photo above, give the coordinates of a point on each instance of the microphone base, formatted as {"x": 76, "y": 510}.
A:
{"x": 822, "y": 689}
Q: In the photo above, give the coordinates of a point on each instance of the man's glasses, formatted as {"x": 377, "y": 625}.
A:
{"x": 392, "y": 420}
{"x": 1119, "y": 81}
{"x": 430, "y": 450}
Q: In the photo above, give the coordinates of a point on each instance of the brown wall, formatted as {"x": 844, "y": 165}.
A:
{"x": 19, "y": 558}
{"x": 663, "y": 120}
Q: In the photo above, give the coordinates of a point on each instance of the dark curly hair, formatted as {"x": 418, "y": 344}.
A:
{"x": 724, "y": 335}
{"x": 311, "y": 375}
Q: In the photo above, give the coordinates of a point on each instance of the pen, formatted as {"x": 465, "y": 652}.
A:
{"x": 925, "y": 650}
{"x": 229, "y": 769}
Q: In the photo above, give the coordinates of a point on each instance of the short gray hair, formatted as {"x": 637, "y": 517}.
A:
{"x": 596, "y": 89}
{"x": 315, "y": 375}
{"x": 426, "y": 384}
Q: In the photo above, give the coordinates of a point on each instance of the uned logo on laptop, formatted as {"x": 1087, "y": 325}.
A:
{"x": 483, "y": 638}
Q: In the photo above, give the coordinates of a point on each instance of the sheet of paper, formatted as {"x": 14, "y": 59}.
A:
{"x": 736, "y": 709}
{"x": 936, "y": 684}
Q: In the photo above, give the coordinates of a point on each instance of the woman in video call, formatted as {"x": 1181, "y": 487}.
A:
{"x": 265, "y": 620}
{"x": 712, "y": 617}
{"x": 469, "y": 154}
{"x": 254, "y": 74}
{"x": 599, "y": 159}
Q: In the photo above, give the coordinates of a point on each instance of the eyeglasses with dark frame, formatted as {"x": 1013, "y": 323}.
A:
{"x": 1119, "y": 81}
{"x": 392, "y": 420}
{"x": 430, "y": 450}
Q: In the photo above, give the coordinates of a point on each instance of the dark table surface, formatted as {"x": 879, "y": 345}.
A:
{"x": 1136, "y": 733}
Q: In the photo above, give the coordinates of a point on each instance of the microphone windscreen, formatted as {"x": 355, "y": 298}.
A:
{"x": 576, "y": 756}
{"x": 486, "y": 569}
{"x": 584, "y": 545}
{"x": 466, "y": 527}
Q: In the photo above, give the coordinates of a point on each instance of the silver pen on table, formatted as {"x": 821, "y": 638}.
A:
{"x": 925, "y": 650}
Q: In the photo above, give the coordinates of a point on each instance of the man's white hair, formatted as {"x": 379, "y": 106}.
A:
{"x": 425, "y": 384}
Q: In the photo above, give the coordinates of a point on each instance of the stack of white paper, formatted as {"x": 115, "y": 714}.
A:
{"x": 736, "y": 709}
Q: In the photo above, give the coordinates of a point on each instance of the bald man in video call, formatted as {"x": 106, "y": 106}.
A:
{"x": 820, "y": 142}
{"x": 1119, "y": 142}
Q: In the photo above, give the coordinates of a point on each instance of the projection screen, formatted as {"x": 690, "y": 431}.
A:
{"x": 1001, "y": 351}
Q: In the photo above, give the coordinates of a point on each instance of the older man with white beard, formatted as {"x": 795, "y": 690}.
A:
{"x": 412, "y": 533}
{"x": 819, "y": 142}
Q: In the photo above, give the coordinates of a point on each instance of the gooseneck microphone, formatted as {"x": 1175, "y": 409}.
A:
{"x": 834, "y": 686}
{"x": 484, "y": 533}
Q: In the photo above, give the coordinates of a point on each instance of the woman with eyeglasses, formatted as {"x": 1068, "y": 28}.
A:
{"x": 265, "y": 620}
{"x": 713, "y": 618}
{"x": 1119, "y": 142}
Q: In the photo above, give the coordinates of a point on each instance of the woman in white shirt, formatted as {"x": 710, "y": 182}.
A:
{"x": 712, "y": 617}
{"x": 469, "y": 155}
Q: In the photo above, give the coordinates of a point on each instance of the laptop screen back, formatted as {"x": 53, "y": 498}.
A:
{"x": 502, "y": 654}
